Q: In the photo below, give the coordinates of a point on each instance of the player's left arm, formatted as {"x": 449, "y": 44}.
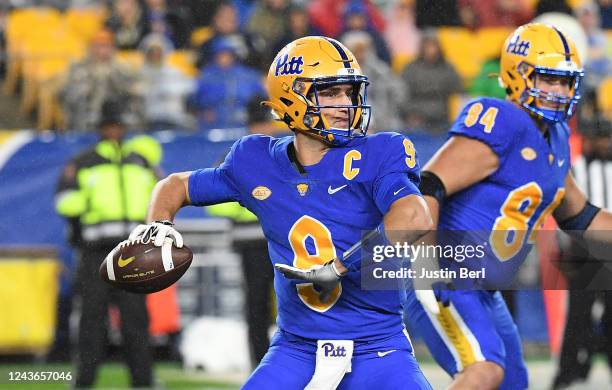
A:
{"x": 575, "y": 214}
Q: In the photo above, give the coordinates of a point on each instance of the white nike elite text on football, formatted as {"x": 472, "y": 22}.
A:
{"x": 332, "y": 191}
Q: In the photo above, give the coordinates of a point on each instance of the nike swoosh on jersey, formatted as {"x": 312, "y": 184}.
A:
{"x": 383, "y": 354}
{"x": 123, "y": 262}
{"x": 560, "y": 162}
{"x": 397, "y": 192}
{"x": 332, "y": 191}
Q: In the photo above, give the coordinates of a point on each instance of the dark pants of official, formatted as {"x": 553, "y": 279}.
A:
{"x": 95, "y": 298}
{"x": 258, "y": 277}
{"x": 580, "y": 340}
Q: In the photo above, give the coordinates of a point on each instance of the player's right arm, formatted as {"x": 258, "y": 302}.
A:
{"x": 168, "y": 196}
{"x": 460, "y": 163}
{"x": 479, "y": 139}
{"x": 200, "y": 188}
{"x": 470, "y": 155}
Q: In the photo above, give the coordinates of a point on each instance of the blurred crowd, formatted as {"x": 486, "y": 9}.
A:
{"x": 198, "y": 64}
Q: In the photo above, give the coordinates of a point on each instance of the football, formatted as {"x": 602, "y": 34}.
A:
{"x": 143, "y": 268}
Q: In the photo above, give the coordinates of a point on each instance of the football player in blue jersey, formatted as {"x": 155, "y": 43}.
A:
{"x": 503, "y": 170}
{"x": 315, "y": 194}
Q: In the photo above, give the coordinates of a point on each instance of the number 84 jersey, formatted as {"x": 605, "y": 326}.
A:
{"x": 310, "y": 217}
{"x": 504, "y": 211}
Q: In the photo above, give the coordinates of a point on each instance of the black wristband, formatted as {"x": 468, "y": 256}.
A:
{"x": 165, "y": 222}
{"x": 431, "y": 185}
{"x": 581, "y": 221}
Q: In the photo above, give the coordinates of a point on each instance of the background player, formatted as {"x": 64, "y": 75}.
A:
{"x": 315, "y": 193}
{"x": 515, "y": 174}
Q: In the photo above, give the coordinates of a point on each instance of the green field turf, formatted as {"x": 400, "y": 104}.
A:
{"x": 172, "y": 376}
{"x": 116, "y": 376}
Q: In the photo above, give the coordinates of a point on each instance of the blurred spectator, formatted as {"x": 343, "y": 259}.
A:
{"x": 605, "y": 8}
{"x": 165, "y": 88}
{"x": 356, "y": 19}
{"x": 224, "y": 89}
{"x": 585, "y": 273}
{"x": 546, "y": 6}
{"x": 385, "y": 93}
{"x": 598, "y": 66}
{"x": 201, "y": 11}
{"x": 128, "y": 23}
{"x": 401, "y": 34}
{"x": 170, "y": 22}
{"x": 429, "y": 82}
{"x": 491, "y": 13}
{"x": 92, "y": 195}
{"x": 249, "y": 49}
{"x": 3, "y": 14}
{"x": 326, "y": 15}
{"x": 299, "y": 26}
{"x": 486, "y": 82}
{"x": 433, "y": 13}
{"x": 97, "y": 78}
{"x": 269, "y": 20}
{"x": 88, "y": 4}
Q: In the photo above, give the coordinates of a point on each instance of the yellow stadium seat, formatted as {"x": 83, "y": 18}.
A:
{"x": 183, "y": 60}
{"x": 50, "y": 113}
{"x": 45, "y": 55}
{"x": 132, "y": 58}
{"x": 28, "y": 297}
{"x": 459, "y": 46}
{"x": 604, "y": 97}
{"x": 490, "y": 41}
{"x": 399, "y": 62}
{"x": 576, "y": 3}
{"x": 20, "y": 26}
{"x": 200, "y": 35}
{"x": 84, "y": 22}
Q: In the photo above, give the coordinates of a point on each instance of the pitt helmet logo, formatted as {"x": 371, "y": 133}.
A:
{"x": 518, "y": 46}
{"x": 261, "y": 193}
{"x": 285, "y": 66}
{"x": 331, "y": 350}
{"x": 302, "y": 188}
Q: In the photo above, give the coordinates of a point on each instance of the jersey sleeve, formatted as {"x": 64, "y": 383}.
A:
{"x": 398, "y": 175}
{"x": 215, "y": 185}
{"x": 488, "y": 121}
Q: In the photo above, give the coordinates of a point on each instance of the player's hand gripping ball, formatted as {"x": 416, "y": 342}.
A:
{"x": 138, "y": 265}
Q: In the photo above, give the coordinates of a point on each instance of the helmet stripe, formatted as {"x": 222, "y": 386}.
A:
{"x": 345, "y": 59}
{"x": 565, "y": 45}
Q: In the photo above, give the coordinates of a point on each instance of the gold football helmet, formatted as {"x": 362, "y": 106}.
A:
{"x": 306, "y": 66}
{"x": 539, "y": 49}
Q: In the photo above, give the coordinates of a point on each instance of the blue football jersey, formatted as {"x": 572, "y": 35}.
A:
{"x": 503, "y": 211}
{"x": 309, "y": 218}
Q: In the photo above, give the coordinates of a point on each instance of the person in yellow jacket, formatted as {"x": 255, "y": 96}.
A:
{"x": 250, "y": 244}
{"x": 103, "y": 193}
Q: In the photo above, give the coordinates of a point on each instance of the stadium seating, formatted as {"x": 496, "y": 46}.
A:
{"x": 184, "y": 61}
{"x": 604, "y": 97}
{"x": 467, "y": 50}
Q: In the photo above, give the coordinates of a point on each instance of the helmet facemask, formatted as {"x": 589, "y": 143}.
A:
{"x": 315, "y": 121}
{"x": 558, "y": 107}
